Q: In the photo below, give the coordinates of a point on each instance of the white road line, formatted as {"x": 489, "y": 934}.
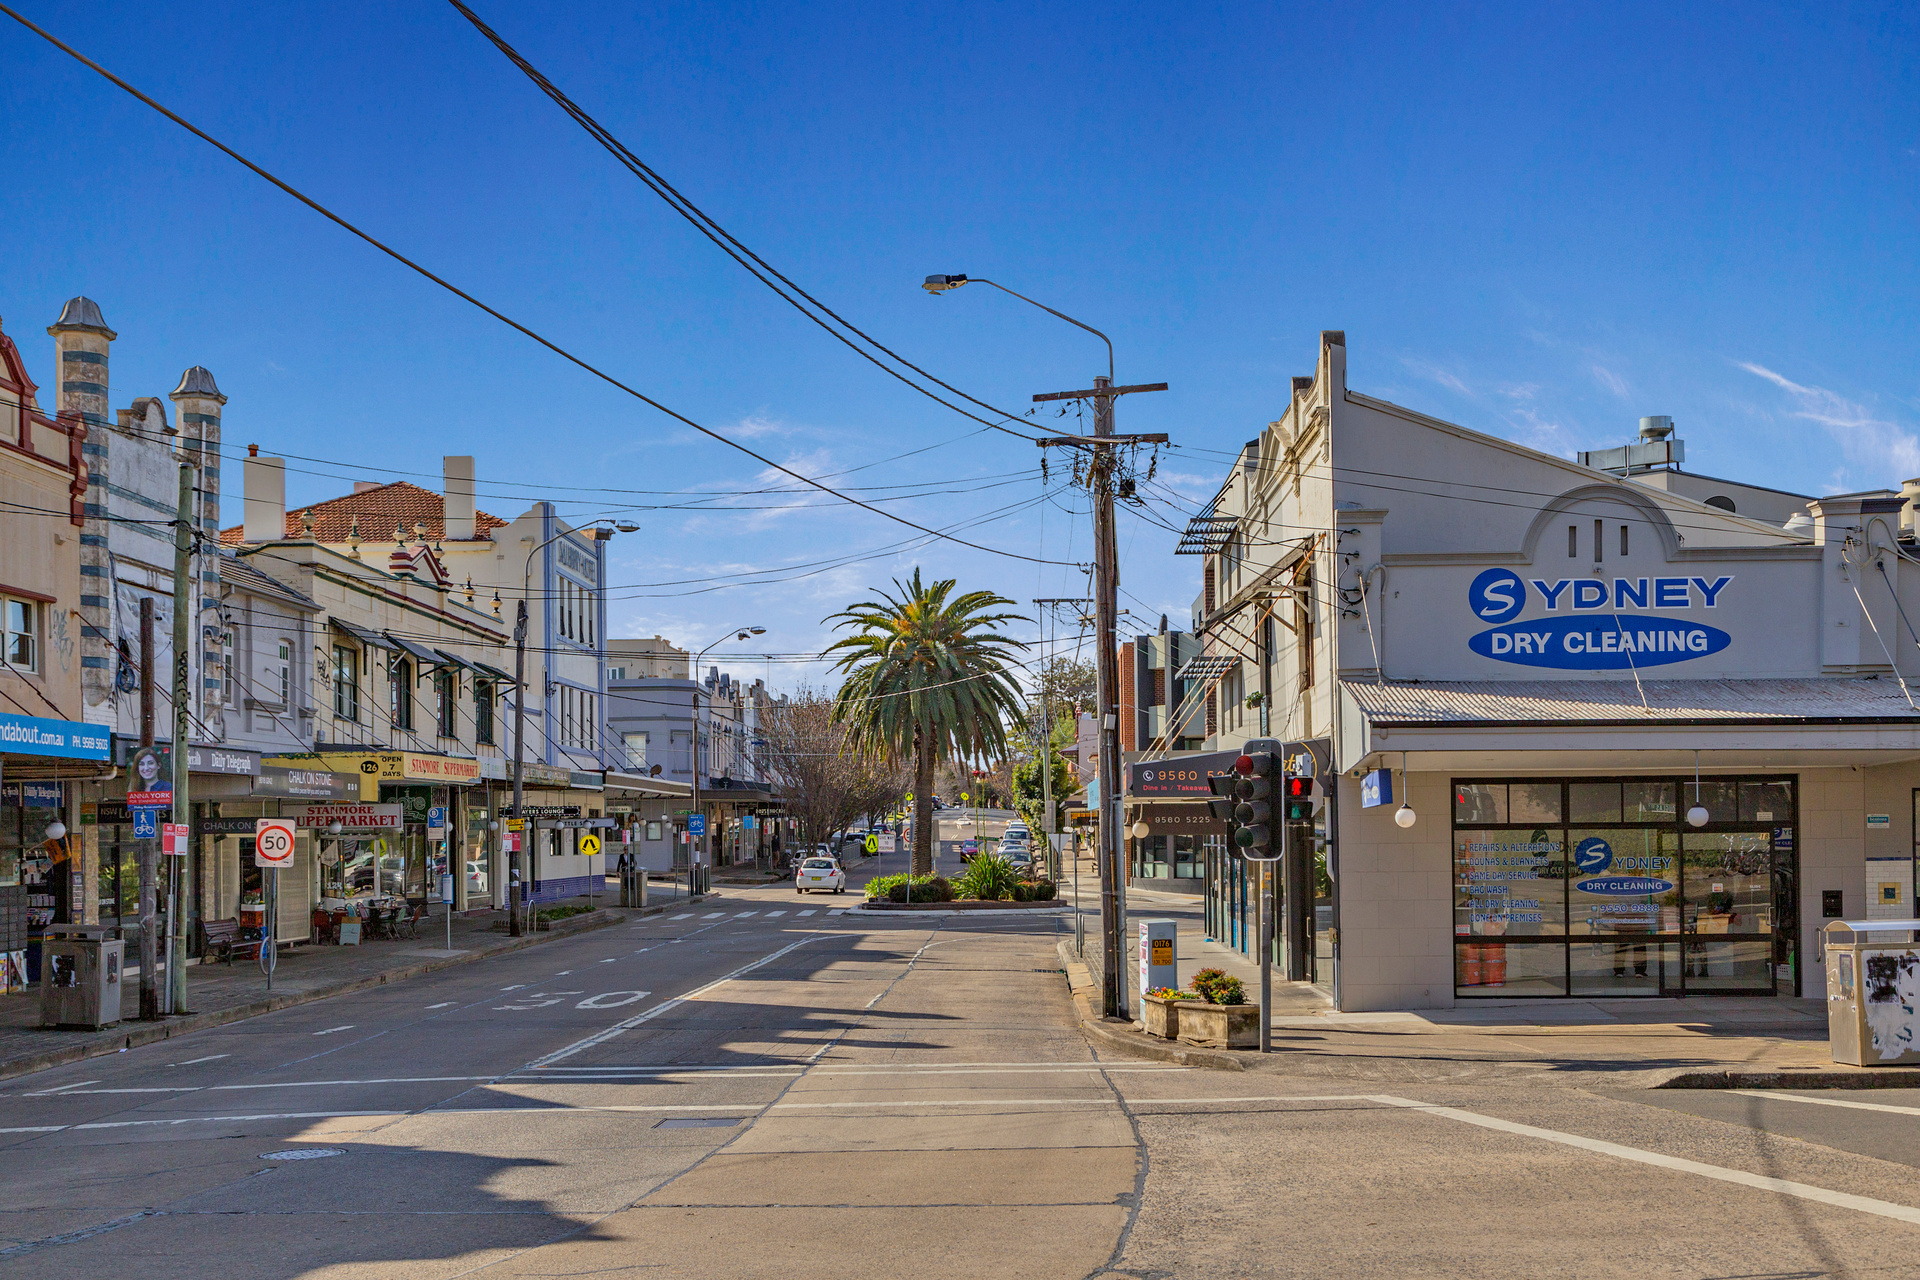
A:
{"x": 622, "y": 1027}
{"x": 61, "y": 1088}
{"x": 772, "y": 914}
{"x": 191, "y": 1061}
{"x": 1827, "y": 1102}
{"x": 807, "y": 912}
{"x": 684, "y": 915}
{"x": 330, "y": 1030}
{"x": 1799, "y": 1190}
{"x": 742, "y": 915}
{"x": 444, "y": 1004}
{"x": 840, "y": 911}
{"x": 715, "y": 915}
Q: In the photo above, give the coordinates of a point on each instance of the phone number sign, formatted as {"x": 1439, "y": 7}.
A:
{"x": 1179, "y": 775}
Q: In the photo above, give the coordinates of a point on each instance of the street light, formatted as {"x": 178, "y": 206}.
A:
{"x": 738, "y": 633}
{"x": 942, "y": 284}
{"x": 517, "y": 902}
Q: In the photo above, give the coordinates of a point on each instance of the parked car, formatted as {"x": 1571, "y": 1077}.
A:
{"x": 819, "y": 873}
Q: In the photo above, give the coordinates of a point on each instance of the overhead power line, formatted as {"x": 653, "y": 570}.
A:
{"x": 501, "y": 316}
{"x": 730, "y": 245}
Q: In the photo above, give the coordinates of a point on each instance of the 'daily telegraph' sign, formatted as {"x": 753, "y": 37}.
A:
{"x": 1585, "y": 628}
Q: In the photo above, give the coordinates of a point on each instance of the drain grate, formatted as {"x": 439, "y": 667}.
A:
{"x": 698, "y": 1122}
{"x": 309, "y": 1153}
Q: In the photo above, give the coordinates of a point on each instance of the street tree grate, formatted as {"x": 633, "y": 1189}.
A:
{"x": 309, "y": 1153}
{"x": 698, "y": 1122}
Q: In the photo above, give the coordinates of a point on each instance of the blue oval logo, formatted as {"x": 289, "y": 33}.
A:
{"x": 1593, "y": 854}
{"x": 1497, "y": 595}
{"x": 1624, "y": 886}
{"x": 1599, "y": 642}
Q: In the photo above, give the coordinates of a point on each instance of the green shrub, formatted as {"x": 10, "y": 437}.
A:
{"x": 1045, "y": 891}
{"x": 1217, "y": 986}
{"x": 988, "y": 878}
{"x": 896, "y": 888}
{"x": 561, "y": 913}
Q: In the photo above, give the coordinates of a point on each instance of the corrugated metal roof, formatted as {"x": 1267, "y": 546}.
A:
{"x": 236, "y": 572}
{"x": 1615, "y": 701}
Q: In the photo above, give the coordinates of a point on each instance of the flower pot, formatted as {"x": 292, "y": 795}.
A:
{"x": 1161, "y": 1016}
{"x": 1219, "y": 1026}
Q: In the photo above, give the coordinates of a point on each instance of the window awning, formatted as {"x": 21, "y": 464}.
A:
{"x": 495, "y": 672}
{"x": 453, "y": 660}
{"x": 419, "y": 652}
{"x": 371, "y": 639}
{"x": 1208, "y": 666}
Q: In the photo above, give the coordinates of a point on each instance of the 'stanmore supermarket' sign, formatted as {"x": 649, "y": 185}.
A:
{"x": 33, "y": 736}
{"x": 1587, "y": 633}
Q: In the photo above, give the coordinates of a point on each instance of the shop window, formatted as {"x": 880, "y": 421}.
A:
{"x": 1593, "y": 802}
{"x": 1533, "y": 802}
{"x": 346, "y": 683}
{"x": 656, "y": 831}
{"x": 1477, "y": 802}
{"x": 1647, "y": 802}
{"x": 1766, "y": 802}
{"x": 20, "y": 636}
{"x": 1503, "y": 968}
{"x": 400, "y": 693}
{"x": 1720, "y": 797}
{"x": 483, "y": 712}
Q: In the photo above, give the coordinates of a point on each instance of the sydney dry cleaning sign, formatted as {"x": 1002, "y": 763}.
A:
{"x": 1594, "y": 624}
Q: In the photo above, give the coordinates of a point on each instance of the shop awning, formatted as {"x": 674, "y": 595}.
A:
{"x": 1528, "y": 703}
{"x": 495, "y": 672}
{"x": 418, "y": 652}
{"x": 453, "y": 660}
{"x": 371, "y": 639}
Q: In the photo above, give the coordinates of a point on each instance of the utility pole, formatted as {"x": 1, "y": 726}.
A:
{"x": 186, "y": 615}
{"x": 1106, "y": 586}
{"x": 516, "y": 902}
{"x": 149, "y": 954}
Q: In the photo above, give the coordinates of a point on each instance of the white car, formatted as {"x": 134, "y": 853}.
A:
{"x": 819, "y": 873}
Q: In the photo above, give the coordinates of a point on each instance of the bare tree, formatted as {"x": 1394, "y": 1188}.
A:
{"x": 828, "y": 783}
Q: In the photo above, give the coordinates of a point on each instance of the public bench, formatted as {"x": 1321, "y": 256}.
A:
{"x": 221, "y": 939}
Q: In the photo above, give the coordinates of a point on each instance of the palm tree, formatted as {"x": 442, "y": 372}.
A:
{"x": 927, "y": 680}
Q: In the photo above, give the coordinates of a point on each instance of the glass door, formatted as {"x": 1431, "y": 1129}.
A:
{"x": 1727, "y": 920}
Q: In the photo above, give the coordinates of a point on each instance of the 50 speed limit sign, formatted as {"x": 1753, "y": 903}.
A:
{"x": 273, "y": 842}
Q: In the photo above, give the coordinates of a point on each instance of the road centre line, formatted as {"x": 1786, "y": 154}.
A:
{"x": 1772, "y": 1096}
{"x": 1760, "y": 1182}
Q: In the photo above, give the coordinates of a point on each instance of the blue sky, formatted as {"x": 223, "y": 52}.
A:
{"x": 1539, "y": 221}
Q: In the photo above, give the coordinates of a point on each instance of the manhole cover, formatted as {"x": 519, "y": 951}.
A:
{"x": 310, "y": 1153}
{"x": 698, "y": 1122}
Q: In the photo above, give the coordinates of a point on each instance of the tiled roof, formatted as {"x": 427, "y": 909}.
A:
{"x": 379, "y": 509}
{"x": 1490, "y": 702}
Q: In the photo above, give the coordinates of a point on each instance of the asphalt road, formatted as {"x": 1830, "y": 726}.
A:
{"x": 742, "y": 1090}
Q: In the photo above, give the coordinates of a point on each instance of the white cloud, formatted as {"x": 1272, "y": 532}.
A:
{"x": 1611, "y": 381}
{"x": 1445, "y": 377}
{"x": 1869, "y": 444}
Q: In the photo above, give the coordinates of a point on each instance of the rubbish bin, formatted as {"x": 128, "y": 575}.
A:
{"x": 80, "y": 971}
{"x": 1873, "y": 991}
{"x": 633, "y": 884}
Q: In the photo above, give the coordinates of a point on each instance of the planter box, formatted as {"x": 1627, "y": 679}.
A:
{"x": 1219, "y": 1026}
{"x": 1161, "y": 1017}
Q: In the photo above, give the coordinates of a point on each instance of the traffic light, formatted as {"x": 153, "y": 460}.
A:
{"x": 1299, "y": 799}
{"x": 1252, "y": 791}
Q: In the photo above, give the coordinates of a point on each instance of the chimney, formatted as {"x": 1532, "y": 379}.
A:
{"x": 82, "y": 338}
{"x": 458, "y": 503}
{"x": 1657, "y": 427}
{"x": 265, "y": 482}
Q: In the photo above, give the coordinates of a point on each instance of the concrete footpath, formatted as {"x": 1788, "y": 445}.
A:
{"x": 223, "y": 993}
{"x": 1699, "y": 1042}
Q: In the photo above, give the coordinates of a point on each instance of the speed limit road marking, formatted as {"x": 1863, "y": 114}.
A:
{"x": 273, "y": 842}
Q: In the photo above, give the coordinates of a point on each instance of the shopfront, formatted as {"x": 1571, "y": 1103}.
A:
{"x": 44, "y": 765}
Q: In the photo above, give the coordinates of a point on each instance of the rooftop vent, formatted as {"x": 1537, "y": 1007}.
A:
{"x": 1658, "y": 448}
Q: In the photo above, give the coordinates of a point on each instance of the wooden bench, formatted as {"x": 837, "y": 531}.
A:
{"x": 221, "y": 938}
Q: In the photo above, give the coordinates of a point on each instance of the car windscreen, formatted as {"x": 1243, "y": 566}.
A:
{"x": 818, "y": 864}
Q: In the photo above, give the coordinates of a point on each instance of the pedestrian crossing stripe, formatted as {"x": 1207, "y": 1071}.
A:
{"x": 717, "y": 915}
{"x": 684, "y": 915}
{"x": 742, "y": 915}
{"x": 772, "y": 914}
{"x": 807, "y": 912}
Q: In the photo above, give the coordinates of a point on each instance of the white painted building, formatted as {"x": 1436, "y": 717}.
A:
{"x": 1553, "y": 665}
